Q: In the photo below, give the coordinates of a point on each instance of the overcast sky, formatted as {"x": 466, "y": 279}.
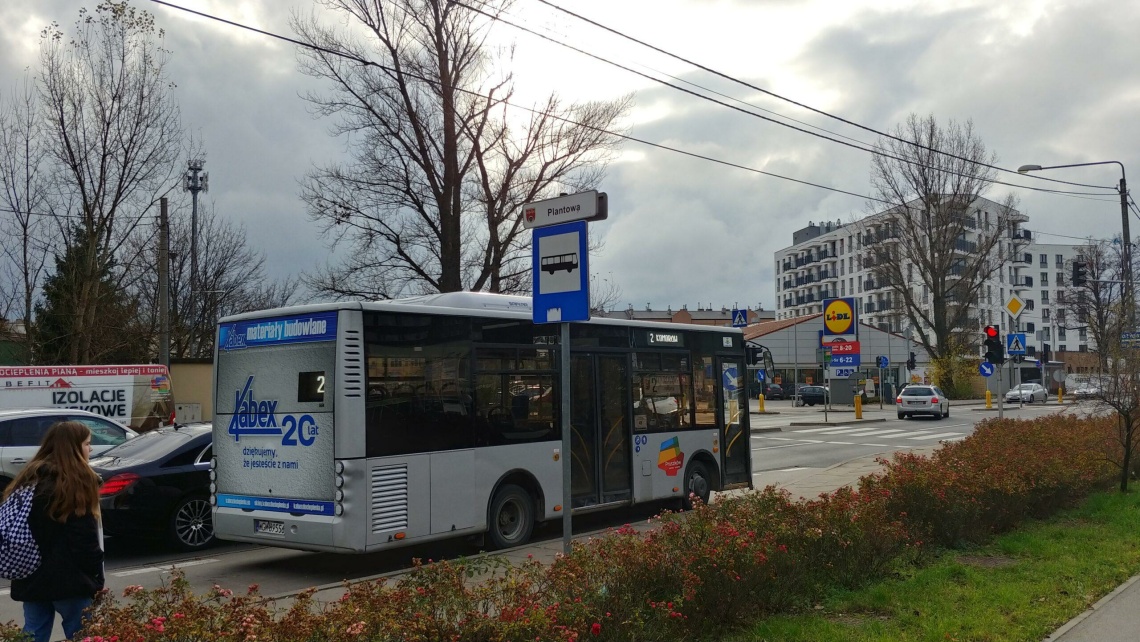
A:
{"x": 1045, "y": 82}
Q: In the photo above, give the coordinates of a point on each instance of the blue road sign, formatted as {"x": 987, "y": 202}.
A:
{"x": 1015, "y": 343}
{"x": 844, "y": 360}
{"x": 760, "y": 376}
{"x": 1038, "y": 363}
{"x": 883, "y": 362}
{"x": 561, "y": 273}
{"x": 986, "y": 368}
{"x": 731, "y": 382}
{"x": 739, "y": 318}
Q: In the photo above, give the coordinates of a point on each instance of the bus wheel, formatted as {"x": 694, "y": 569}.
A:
{"x": 698, "y": 482}
{"x": 511, "y": 517}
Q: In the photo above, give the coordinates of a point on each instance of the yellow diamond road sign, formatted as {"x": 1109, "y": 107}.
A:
{"x": 1015, "y": 305}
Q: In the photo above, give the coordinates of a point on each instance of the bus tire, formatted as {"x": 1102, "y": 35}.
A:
{"x": 698, "y": 481}
{"x": 511, "y": 517}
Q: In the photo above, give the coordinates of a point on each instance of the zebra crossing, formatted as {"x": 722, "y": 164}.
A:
{"x": 862, "y": 435}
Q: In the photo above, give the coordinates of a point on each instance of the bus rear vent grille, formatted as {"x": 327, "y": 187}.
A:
{"x": 352, "y": 375}
{"x": 389, "y": 498}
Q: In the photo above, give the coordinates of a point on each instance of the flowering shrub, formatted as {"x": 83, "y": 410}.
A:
{"x": 12, "y": 632}
{"x": 692, "y": 576}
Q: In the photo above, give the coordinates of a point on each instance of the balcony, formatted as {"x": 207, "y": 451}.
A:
{"x": 788, "y": 283}
{"x": 962, "y": 245}
{"x": 827, "y": 276}
{"x": 885, "y": 304}
{"x": 1023, "y": 259}
{"x": 789, "y": 303}
{"x": 868, "y": 308}
{"x": 787, "y": 266}
{"x": 800, "y": 262}
{"x": 824, "y": 254}
{"x": 825, "y": 295}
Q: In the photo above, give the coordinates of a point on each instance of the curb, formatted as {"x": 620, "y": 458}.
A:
{"x": 770, "y": 429}
{"x": 1071, "y": 624}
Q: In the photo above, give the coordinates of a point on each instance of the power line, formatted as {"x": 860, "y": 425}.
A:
{"x": 366, "y": 62}
{"x": 794, "y": 102}
{"x": 762, "y": 117}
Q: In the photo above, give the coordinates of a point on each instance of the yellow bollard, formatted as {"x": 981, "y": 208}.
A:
{"x": 989, "y": 400}
{"x": 1060, "y": 395}
{"x": 858, "y": 406}
{"x": 761, "y": 402}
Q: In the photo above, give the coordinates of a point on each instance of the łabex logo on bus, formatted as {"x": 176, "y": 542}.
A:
{"x": 265, "y": 332}
{"x": 253, "y": 417}
{"x": 670, "y": 459}
{"x": 839, "y": 316}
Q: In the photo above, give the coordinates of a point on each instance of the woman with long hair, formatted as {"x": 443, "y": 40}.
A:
{"x": 64, "y": 522}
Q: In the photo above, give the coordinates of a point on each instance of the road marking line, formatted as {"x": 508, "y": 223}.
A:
{"x": 788, "y": 470}
{"x": 877, "y": 445}
{"x": 857, "y": 431}
{"x": 819, "y": 429}
{"x": 940, "y": 435}
{"x": 841, "y": 443}
{"x": 162, "y": 569}
{"x": 909, "y": 435}
{"x": 5, "y": 591}
{"x": 873, "y": 432}
{"x": 780, "y": 446}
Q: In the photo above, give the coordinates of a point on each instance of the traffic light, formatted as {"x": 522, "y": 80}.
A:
{"x": 1047, "y": 355}
{"x": 1080, "y": 272}
{"x": 912, "y": 362}
{"x": 755, "y": 355}
{"x": 995, "y": 351}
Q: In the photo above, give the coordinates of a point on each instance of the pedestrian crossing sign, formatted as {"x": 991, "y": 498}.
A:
{"x": 739, "y": 318}
{"x": 1015, "y": 343}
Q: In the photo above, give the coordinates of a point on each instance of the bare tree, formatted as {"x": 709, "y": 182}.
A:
{"x": 231, "y": 279}
{"x": 1119, "y": 389}
{"x": 115, "y": 135}
{"x": 429, "y": 200}
{"x": 25, "y": 238}
{"x": 938, "y": 241}
{"x": 604, "y": 293}
{"x": 1093, "y": 306}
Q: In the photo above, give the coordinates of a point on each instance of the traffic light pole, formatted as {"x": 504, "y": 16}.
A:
{"x": 1001, "y": 396}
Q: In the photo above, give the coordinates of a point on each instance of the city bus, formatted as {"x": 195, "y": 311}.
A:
{"x": 355, "y": 427}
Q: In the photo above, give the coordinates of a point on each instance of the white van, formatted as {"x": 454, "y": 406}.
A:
{"x": 139, "y": 396}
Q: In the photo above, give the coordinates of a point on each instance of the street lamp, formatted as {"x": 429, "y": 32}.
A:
{"x": 1129, "y": 297}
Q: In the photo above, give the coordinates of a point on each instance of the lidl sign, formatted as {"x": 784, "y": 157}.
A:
{"x": 839, "y": 317}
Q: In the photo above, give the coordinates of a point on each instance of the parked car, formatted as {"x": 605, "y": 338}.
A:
{"x": 922, "y": 400}
{"x": 158, "y": 485}
{"x": 22, "y": 430}
{"x": 774, "y": 391}
{"x": 811, "y": 395}
{"x": 1087, "y": 390}
{"x": 1028, "y": 393}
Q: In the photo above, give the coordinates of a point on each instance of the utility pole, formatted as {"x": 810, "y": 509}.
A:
{"x": 1129, "y": 293}
{"x": 196, "y": 181}
{"x": 163, "y": 284}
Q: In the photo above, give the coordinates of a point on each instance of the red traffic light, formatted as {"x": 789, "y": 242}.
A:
{"x": 991, "y": 332}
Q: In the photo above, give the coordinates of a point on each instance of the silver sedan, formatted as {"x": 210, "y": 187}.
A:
{"x": 1028, "y": 393}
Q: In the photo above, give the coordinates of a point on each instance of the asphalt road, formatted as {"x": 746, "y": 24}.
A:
{"x": 777, "y": 456}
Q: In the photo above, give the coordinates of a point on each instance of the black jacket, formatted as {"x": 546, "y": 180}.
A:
{"x": 71, "y": 559}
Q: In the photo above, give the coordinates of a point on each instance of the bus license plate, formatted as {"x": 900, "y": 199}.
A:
{"x": 269, "y": 527}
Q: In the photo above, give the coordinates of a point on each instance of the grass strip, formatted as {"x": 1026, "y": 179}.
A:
{"x": 1022, "y": 586}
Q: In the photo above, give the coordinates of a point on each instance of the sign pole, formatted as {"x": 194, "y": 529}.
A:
{"x": 1001, "y": 395}
{"x": 882, "y": 388}
{"x": 567, "y": 528}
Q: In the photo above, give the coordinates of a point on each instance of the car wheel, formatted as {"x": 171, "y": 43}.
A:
{"x": 902, "y": 416}
{"x": 511, "y": 517}
{"x": 947, "y": 413}
{"x": 811, "y": 403}
{"x": 938, "y": 415}
{"x": 698, "y": 481}
{"x": 192, "y": 523}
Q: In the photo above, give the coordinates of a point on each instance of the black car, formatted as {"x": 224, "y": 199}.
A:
{"x": 811, "y": 395}
{"x": 158, "y": 485}
{"x": 774, "y": 391}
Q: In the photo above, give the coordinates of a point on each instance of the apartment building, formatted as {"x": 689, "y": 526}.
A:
{"x": 836, "y": 259}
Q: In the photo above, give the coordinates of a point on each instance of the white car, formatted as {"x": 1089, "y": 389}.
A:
{"x": 22, "y": 430}
{"x": 1027, "y": 393}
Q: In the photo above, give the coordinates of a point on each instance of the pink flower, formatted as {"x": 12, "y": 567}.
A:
{"x": 596, "y": 628}
{"x": 355, "y": 629}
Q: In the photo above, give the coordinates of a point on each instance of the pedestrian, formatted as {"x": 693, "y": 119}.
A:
{"x": 64, "y": 521}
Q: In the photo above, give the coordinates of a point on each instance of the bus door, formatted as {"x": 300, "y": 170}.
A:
{"x": 736, "y": 444}
{"x": 600, "y": 436}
